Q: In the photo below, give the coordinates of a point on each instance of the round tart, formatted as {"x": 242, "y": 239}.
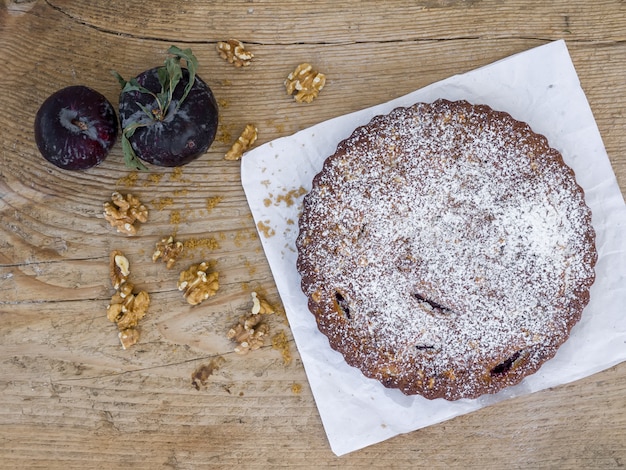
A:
{"x": 446, "y": 250}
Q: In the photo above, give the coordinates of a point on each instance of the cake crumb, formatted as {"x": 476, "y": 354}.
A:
{"x": 296, "y": 389}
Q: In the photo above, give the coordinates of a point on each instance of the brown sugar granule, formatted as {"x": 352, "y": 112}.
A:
{"x": 252, "y": 270}
{"x": 265, "y": 229}
{"x": 129, "y": 180}
{"x": 175, "y": 218}
{"x": 177, "y": 174}
{"x": 207, "y": 243}
{"x": 241, "y": 237}
{"x": 163, "y": 202}
{"x": 289, "y": 197}
{"x": 224, "y": 134}
{"x": 211, "y": 202}
{"x": 281, "y": 343}
{"x": 155, "y": 178}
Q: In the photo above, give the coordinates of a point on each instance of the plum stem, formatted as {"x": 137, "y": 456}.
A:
{"x": 80, "y": 124}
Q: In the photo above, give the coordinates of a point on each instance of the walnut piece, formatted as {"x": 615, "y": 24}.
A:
{"x": 123, "y": 211}
{"x": 119, "y": 268}
{"x": 305, "y": 82}
{"x": 261, "y": 306}
{"x": 128, "y": 337}
{"x": 234, "y": 52}
{"x": 196, "y": 284}
{"x": 243, "y": 143}
{"x": 168, "y": 250}
{"x": 126, "y": 308}
{"x": 249, "y": 333}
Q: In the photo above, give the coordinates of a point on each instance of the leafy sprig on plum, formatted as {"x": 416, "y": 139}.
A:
{"x": 159, "y": 125}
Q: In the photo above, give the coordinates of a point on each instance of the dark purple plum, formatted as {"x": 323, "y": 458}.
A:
{"x": 75, "y": 128}
{"x": 167, "y": 121}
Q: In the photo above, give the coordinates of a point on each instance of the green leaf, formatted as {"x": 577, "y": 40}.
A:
{"x": 163, "y": 96}
{"x": 192, "y": 66}
{"x": 145, "y": 110}
{"x": 133, "y": 85}
{"x": 175, "y": 73}
{"x": 130, "y": 157}
{"x": 163, "y": 78}
{"x": 121, "y": 81}
{"x": 131, "y": 128}
{"x": 169, "y": 77}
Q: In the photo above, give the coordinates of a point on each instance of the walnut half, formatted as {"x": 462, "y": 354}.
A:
{"x": 119, "y": 269}
{"x": 197, "y": 284}
{"x": 305, "y": 82}
{"x": 126, "y": 308}
{"x": 234, "y": 52}
{"x": 250, "y": 331}
{"x": 168, "y": 250}
{"x": 260, "y": 305}
{"x": 123, "y": 211}
{"x": 243, "y": 143}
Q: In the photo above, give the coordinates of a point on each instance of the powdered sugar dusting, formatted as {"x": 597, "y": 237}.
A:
{"x": 446, "y": 249}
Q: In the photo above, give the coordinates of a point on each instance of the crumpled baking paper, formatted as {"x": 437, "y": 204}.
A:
{"x": 540, "y": 87}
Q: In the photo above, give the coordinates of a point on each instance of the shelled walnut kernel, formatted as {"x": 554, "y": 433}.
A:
{"x": 243, "y": 143}
{"x": 197, "y": 284}
{"x": 305, "y": 82}
{"x": 168, "y": 250}
{"x": 119, "y": 269}
{"x": 123, "y": 211}
{"x": 234, "y": 52}
{"x": 125, "y": 308}
{"x": 250, "y": 331}
{"x": 260, "y": 305}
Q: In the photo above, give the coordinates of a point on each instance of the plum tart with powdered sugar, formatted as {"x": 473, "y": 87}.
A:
{"x": 446, "y": 250}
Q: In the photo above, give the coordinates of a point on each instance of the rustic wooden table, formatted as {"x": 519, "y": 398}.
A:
{"x": 71, "y": 397}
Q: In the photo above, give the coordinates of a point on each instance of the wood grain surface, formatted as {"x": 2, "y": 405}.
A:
{"x": 71, "y": 397}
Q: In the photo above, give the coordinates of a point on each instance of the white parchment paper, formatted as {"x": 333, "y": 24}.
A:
{"x": 540, "y": 87}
